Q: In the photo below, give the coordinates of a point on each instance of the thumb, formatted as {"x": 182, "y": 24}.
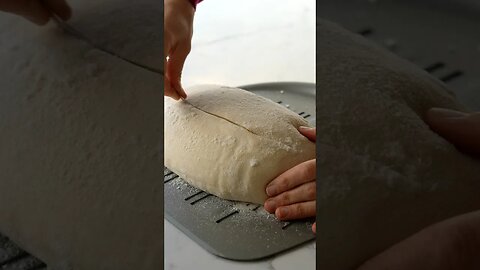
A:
{"x": 461, "y": 129}
{"x": 309, "y": 132}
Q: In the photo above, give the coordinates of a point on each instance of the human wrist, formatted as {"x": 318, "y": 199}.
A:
{"x": 449, "y": 244}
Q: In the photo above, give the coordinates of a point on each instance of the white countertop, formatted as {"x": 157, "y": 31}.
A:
{"x": 238, "y": 43}
{"x": 252, "y": 41}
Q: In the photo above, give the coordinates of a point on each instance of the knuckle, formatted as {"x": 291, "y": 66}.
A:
{"x": 285, "y": 198}
{"x": 275, "y": 181}
{"x": 299, "y": 210}
{"x": 185, "y": 43}
{"x": 310, "y": 169}
{"x": 312, "y": 191}
{"x": 284, "y": 184}
{"x": 188, "y": 46}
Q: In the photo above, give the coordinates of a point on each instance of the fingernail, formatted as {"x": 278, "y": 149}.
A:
{"x": 269, "y": 205}
{"x": 271, "y": 191}
{"x": 445, "y": 113}
{"x": 282, "y": 212}
{"x": 305, "y": 128}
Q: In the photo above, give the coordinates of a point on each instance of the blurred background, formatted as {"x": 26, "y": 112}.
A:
{"x": 252, "y": 41}
{"x": 440, "y": 36}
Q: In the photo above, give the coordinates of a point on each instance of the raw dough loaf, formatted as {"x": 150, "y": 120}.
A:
{"x": 384, "y": 174}
{"x": 134, "y": 37}
{"x": 231, "y": 142}
{"x": 80, "y": 137}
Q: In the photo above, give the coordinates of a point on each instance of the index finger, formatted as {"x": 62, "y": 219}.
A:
{"x": 300, "y": 174}
{"x": 175, "y": 65}
{"x": 309, "y": 132}
{"x": 463, "y": 130}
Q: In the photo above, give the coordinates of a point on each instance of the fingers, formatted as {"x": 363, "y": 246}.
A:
{"x": 172, "y": 67}
{"x": 175, "y": 65}
{"x": 300, "y": 174}
{"x": 59, "y": 7}
{"x": 449, "y": 244}
{"x": 296, "y": 211}
{"x": 314, "y": 227}
{"x": 168, "y": 90}
{"x": 303, "y": 193}
{"x": 178, "y": 25}
{"x": 461, "y": 129}
{"x": 308, "y": 132}
{"x": 293, "y": 193}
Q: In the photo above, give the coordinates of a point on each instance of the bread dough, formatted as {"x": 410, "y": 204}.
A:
{"x": 231, "y": 142}
{"x": 80, "y": 141}
{"x": 384, "y": 174}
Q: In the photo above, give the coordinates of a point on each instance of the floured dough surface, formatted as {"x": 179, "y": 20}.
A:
{"x": 80, "y": 160}
{"x": 231, "y": 142}
{"x": 384, "y": 174}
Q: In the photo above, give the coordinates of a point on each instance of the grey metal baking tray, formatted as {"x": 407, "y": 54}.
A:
{"x": 233, "y": 230}
{"x": 14, "y": 258}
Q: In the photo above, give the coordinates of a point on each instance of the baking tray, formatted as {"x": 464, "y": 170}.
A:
{"x": 234, "y": 230}
{"x": 14, "y": 258}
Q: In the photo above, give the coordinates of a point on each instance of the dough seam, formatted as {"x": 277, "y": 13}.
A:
{"x": 212, "y": 114}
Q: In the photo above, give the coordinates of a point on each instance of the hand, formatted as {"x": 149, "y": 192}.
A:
{"x": 292, "y": 195}
{"x": 451, "y": 244}
{"x": 448, "y": 245}
{"x": 37, "y": 11}
{"x": 178, "y": 31}
{"x": 461, "y": 129}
